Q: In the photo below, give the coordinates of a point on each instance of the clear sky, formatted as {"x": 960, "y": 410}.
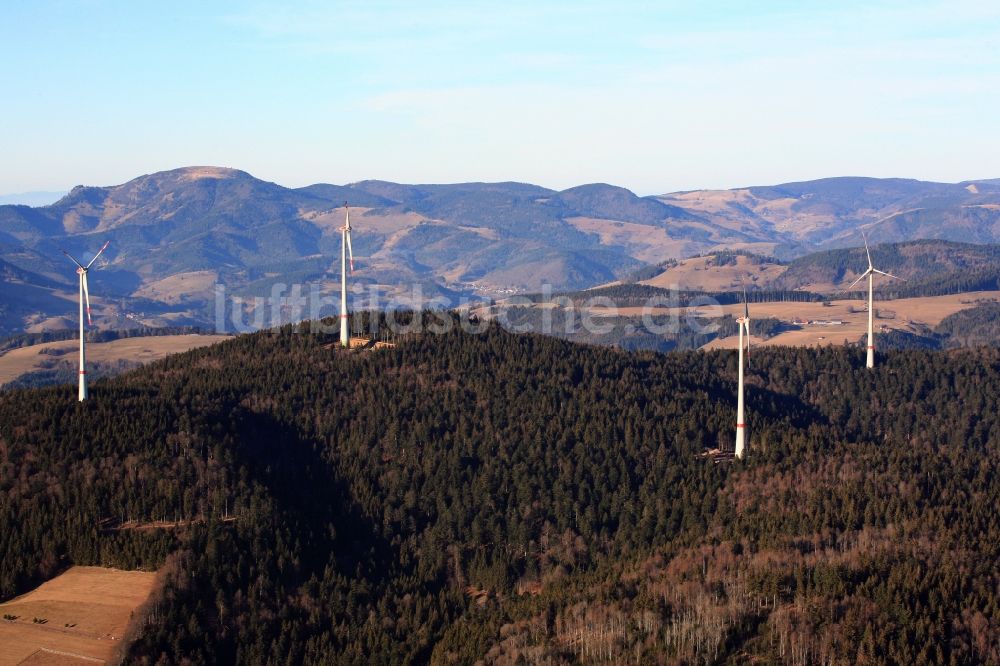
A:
{"x": 654, "y": 96}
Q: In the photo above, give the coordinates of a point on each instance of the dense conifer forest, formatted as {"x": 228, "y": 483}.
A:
{"x": 514, "y": 499}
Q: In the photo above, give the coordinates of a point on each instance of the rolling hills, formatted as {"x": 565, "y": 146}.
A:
{"x": 926, "y": 266}
{"x": 829, "y": 212}
{"x": 177, "y": 234}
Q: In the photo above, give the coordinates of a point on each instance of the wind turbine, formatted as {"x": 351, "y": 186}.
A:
{"x": 870, "y": 274}
{"x": 81, "y": 270}
{"x": 741, "y": 428}
{"x": 345, "y": 250}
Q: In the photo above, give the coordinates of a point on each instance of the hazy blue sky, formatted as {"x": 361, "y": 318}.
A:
{"x": 655, "y": 96}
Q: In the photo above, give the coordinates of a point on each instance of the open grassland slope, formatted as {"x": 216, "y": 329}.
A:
{"x": 80, "y": 616}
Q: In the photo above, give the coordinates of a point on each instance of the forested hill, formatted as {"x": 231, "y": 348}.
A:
{"x": 930, "y": 267}
{"x": 500, "y": 498}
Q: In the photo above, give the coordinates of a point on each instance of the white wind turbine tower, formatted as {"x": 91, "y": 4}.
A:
{"x": 81, "y": 270}
{"x": 741, "y": 428}
{"x": 345, "y": 251}
{"x": 870, "y": 274}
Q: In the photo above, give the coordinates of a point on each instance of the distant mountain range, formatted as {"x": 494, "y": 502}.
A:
{"x": 178, "y": 233}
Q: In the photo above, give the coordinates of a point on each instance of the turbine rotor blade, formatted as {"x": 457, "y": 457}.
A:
{"x": 350, "y": 250}
{"x": 861, "y": 277}
{"x": 896, "y": 277}
{"x": 99, "y": 252}
{"x": 347, "y": 234}
{"x": 870, "y": 265}
{"x": 746, "y": 323}
{"x": 72, "y": 259}
{"x": 86, "y": 294}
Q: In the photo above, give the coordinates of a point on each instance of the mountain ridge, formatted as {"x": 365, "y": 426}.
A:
{"x": 471, "y": 239}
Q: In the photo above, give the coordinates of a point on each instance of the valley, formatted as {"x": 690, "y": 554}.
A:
{"x": 939, "y": 279}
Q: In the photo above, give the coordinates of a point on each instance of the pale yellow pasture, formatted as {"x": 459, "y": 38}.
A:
{"x": 17, "y": 362}
{"x": 86, "y": 611}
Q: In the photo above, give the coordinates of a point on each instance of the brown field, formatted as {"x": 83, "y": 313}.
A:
{"x": 697, "y": 275}
{"x": 757, "y": 247}
{"x": 330, "y": 221}
{"x": 86, "y": 611}
{"x": 726, "y": 209}
{"x": 17, "y": 362}
{"x": 901, "y": 314}
{"x": 196, "y": 173}
{"x": 908, "y": 314}
{"x": 176, "y": 287}
{"x": 38, "y": 324}
{"x": 647, "y": 243}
